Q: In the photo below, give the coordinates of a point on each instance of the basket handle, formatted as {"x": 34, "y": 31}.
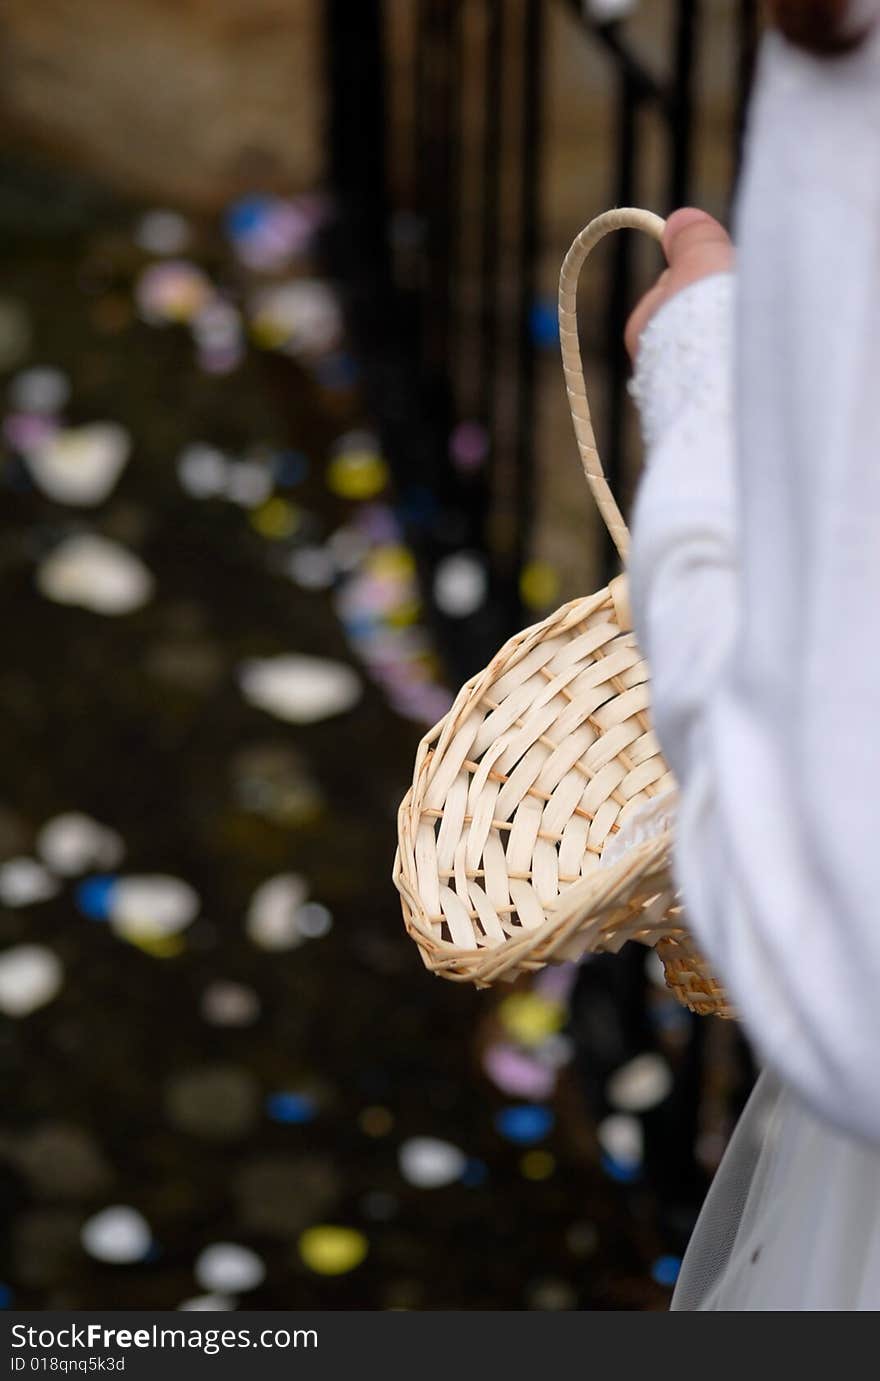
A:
{"x": 623, "y": 218}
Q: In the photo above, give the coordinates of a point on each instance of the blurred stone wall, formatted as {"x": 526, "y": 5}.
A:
{"x": 186, "y": 101}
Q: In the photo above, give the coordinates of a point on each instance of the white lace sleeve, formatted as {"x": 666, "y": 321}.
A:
{"x": 755, "y": 575}
{"x": 682, "y": 565}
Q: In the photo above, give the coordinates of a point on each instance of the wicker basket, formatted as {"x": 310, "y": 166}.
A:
{"x": 543, "y": 760}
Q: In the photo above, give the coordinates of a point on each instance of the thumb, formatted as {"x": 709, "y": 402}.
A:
{"x": 695, "y": 245}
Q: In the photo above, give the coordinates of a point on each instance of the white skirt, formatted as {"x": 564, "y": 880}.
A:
{"x": 792, "y": 1220}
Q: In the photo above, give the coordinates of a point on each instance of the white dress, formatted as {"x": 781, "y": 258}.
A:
{"x": 755, "y": 574}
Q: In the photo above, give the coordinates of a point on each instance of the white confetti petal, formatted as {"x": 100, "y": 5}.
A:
{"x": 460, "y": 584}
{"x": 96, "y": 574}
{"x": 202, "y": 470}
{"x": 230, "y": 1004}
{"x": 30, "y": 976}
{"x": 73, "y": 843}
{"x": 429, "y": 1163}
{"x": 162, "y": 232}
{"x": 117, "y": 1234}
{"x": 640, "y": 1084}
{"x": 312, "y": 568}
{"x": 247, "y": 483}
{"x": 41, "y": 390}
{"x": 607, "y": 11}
{"x": 622, "y": 1138}
{"x": 203, "y": 1303}
{"x": 229, "y": 1268}
{"x": 303, "y": 315}
{"x": 314, "y": 920}
{"x": 24, "y": 881}
{"x": 152, "y": 907}
{"x": 272, "y": 915}
{"x": 80, "y": 465}
{"x": 301, "y": 690}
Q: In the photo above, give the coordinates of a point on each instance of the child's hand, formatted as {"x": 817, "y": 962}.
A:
{"x": 695, "y": 246}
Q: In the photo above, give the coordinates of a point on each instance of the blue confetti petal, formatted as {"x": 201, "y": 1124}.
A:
{"x": 665, "y": 1270}
{"x": 243, "y": 217}
{"x": 476, "y": 1172}
{"x": 290, "y": 468}
{"x": 544, "y": 325}
{"x": 292, "y": 1108}
{"x": 525, "y": 1123}
{"x": 619, "y": 1171}
{"x": 337, "y": 371}
{"x": 94, "y": 896}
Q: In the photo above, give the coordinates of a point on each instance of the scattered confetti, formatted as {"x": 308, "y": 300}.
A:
{"x": 30, "y": 977}
{"x": 162, "y": 232}
{"x": 299, "y": 689}
{"x": 530, "y": 1018}
{"x": 640, "y": 1084}
{"x": 525, "y": 1123}
{"x": 80, "y": 465}
{"x": 24, "y": 881}
{"x": 276, "y": 519}
{"x": 230, "y": 1004}
{"x": 376, "y": 1121}
{"x": 357, "y": 472}
{"x": 248, "y": 483}
{"x": 272, "y": 915}
{"x": 73, "y": 842}
{"x": 152, "y": 907}
{"x": 622, "y": 1139}
{"x": 461, "y": 584}
{"x": 469, "y": 445}
{"x": 332, "y": 1251}
{"x": 429, "y": 1163}
{"x": 609, "y": 11}
{"x": 300, "y": 317}
{"x": 173, "y": 291}
{"x": 552, "y": 1295}
{"x": 539, "y": 585}
{"x": 312, "y": 568}
{"x": 227, "y": 1268}
{"x": 665, "y": 1270}
{"x": 202, "y": 470}
{"x": 96, "y": 574}
{"x": 518, "y": 1074}
{"x": 268, "y": 232}
{"x": 117, "y": 1234}
{"x": 204, "y": 1303}
{"x": 40, "y": 389}
{"x": 213, "y": 1102}
{"x": 291, "y": 1108}
{"x": 537, "y": 1165}
{"x": 314, "y": 920}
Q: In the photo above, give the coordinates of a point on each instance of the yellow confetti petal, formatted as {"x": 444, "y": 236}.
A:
{"x": 332, "y": 1251}
{"x": 357, "y": 474}
{"x": 275, "y": 519}
{"x": 530, "y": 1019}
{"x": 391, "y": 562}
{"x": 538, "y": 584}
{"x": 376, "y": 1121}
{"x": 157, "y": 946}
{"x": 537, "y": 1165}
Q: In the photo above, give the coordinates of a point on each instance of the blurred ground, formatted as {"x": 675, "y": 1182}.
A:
{"x": 264, "y": 1073}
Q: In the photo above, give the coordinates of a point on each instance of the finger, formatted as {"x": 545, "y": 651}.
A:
{"x": 695, "y": 244}
{"x": 643, "y": 311}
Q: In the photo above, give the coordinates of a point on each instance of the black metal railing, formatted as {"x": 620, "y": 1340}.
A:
{"x": 436, "y": 147}
{"x": 438, "y": 264}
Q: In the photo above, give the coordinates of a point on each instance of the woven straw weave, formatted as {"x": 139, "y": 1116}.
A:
{"x": 543, "y": 758}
